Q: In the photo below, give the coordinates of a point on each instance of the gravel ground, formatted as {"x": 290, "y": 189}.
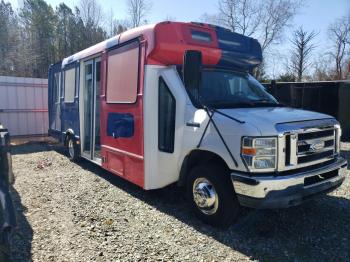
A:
{"x": 79, "y": 212}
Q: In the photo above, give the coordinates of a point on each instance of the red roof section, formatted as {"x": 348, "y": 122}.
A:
{"x": 166, "y": 43}
{"x": 172, "y": 39}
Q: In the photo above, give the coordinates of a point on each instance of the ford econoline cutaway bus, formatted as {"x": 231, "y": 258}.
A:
{"x": 176, "y": 103}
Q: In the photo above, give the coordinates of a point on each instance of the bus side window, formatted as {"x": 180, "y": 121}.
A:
{"x": 166, "y": 118}
{"x": 69, "y": 85}
{"x": 123, "y": 74}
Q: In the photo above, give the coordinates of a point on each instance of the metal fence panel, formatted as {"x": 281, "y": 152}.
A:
{"x": 329, "y": 97}
{"x": 23, "y": 105}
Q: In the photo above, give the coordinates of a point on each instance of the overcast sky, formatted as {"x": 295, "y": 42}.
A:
{"x": 316, "y": 15}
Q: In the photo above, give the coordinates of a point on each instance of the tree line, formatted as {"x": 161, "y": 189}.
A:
{"x": 38, "y": 35}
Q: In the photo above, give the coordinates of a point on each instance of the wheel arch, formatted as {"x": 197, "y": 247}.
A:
{"x": 197, "y": 157}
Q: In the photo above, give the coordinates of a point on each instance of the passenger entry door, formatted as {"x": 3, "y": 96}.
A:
{"x": 90, "y": 109}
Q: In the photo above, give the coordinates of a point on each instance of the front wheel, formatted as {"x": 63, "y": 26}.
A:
{"x": 212, "y": 196}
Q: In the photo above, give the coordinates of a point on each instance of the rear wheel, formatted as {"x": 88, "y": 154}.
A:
{"x": 212, "y": 196}
{"x": 73, "y": 149}
{"x": 10, "y": 171}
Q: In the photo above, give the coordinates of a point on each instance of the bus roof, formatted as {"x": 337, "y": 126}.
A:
{"x": 167, "y": 42}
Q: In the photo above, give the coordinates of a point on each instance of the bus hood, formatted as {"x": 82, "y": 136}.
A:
{"x": 266, "y": 118}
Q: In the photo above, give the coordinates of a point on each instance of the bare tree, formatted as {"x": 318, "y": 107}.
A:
{"x": 265, "y": 20}
{"x": 339, "y": 34}
{"x": 121, "y": 27}
{"x": 242, "y": 16}
{"x": 90, "y": 12}
{"x": 170, "y": 18}
{"x": 110, "y": 23}
{"x": 322, "y": 70}
{"x": 138, "y": 11}
{"x": 276, "y": 16}
{"x": 301, "y": 53}
{"x": 346, "y": 72}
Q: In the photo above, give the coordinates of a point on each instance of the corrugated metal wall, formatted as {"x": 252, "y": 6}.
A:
{"x": 23, "y": 105}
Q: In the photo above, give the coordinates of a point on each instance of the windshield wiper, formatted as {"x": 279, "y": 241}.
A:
{"x": 247, "y": 103}
{"x": 267, "y": 102}
{"x": 229, "y": 104}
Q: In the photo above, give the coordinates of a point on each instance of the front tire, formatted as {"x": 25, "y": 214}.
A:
{"x": 73, "y": 149}
{"x": 212, "y": 196}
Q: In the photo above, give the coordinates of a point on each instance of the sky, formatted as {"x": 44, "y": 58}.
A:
{"x": 315, "y": 15}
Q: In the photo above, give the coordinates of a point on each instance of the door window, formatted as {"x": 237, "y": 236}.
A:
{"x": 122, "y": 74}
{"x": 166, "y": 118}
{"x": 88, "y": 107}
{"x": 91, "y": 112}
{"x": 97, "y": 151}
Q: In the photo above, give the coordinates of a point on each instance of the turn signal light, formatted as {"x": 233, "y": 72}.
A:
{"x": 249, "y": 151}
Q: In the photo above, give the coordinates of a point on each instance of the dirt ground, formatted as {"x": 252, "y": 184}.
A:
{"x": 79, "y": 212}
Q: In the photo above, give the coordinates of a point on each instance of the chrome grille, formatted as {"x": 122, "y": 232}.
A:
{"x": 307, "y": 143}
{"x": 315, "y": 146}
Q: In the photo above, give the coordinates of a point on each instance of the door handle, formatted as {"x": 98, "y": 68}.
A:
{"x": 193, "y": 124}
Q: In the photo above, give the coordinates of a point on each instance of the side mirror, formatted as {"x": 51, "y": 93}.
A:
{"x": 192, "y": 73}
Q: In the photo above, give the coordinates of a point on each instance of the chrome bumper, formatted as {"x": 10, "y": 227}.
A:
{"x": 285, "y": 191}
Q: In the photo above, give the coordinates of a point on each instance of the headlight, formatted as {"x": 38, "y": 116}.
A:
{"x": 260, "y": 154}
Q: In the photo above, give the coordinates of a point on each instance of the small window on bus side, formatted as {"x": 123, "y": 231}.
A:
{"x": 201, "y": 36}
{"x": 122, "y": 74}
{"x": 69, "y": 85}
{"x": 166, "y": 118}
{"x": 57, "y": 87}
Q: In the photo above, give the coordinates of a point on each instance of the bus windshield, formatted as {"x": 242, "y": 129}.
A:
{"x": 228, "y": 89}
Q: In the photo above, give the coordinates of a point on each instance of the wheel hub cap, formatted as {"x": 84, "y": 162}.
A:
{"x": 71, "y": 148}
{"x": 205, "y": 196}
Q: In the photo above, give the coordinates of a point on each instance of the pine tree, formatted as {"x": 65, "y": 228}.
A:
{"x": 39, "y": 22}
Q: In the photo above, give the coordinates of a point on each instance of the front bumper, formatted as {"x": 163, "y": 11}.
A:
{"x": 290, "y": 190}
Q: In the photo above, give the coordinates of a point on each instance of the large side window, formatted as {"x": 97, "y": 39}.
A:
{"x": 122, "y": 74}
{"x": 69, "y": 85}
{"x": 166, "y": 118}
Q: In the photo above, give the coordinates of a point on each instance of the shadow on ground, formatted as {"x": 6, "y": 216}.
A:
{"x": 318, "y": 230}
{"x": 32, "y": 147}
{"x": 21, "y": 242}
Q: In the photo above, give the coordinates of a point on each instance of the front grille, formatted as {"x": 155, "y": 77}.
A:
{"x": 315, "y": 157}
{"x": 317, "y": 134}
{"x": 315, "y": 146}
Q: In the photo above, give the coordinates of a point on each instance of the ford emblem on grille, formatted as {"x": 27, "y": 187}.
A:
{"x": 317, "y": 146}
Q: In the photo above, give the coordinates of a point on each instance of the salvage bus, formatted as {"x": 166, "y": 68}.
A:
{"x": 176, "y": 103}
